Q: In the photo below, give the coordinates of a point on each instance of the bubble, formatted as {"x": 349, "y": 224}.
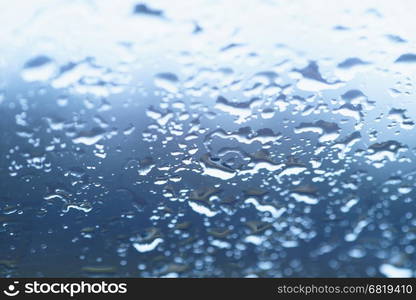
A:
{"x": 39, "y": 68}
{"x": 167, "y": 81}
{"x": 147, "y": 247}
{"x": 391, "y": 271}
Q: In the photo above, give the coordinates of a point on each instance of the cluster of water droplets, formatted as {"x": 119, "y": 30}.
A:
{"x": 189, "y": 151}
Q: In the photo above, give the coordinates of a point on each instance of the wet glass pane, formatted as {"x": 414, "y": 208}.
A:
{"x": 207, "y": 138}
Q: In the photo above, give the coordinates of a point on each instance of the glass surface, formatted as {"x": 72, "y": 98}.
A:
{"x": 207, "y": 138}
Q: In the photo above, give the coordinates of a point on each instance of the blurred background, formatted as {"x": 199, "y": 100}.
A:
{"x": 207, "y": 138}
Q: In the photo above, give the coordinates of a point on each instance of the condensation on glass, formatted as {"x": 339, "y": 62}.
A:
{"x": 207, "y": 139}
